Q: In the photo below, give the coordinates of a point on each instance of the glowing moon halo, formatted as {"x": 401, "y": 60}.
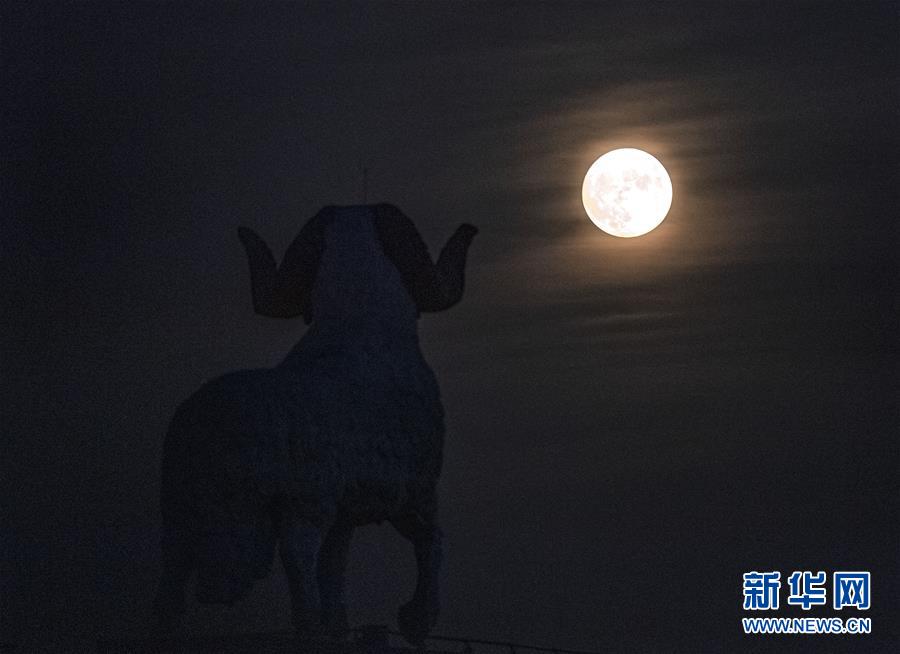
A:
{"x": 627, "y": 192}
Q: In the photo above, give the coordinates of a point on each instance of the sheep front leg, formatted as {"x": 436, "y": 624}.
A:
{"x": 332, "y": 565}
{"x": 299, "y": 544}
{"x": 417, "y": 617}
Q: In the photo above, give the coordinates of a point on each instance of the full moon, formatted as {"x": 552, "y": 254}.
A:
{"x": 627, "y": 192}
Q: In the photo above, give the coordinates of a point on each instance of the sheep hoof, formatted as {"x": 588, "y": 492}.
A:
{"x": 416, "y": 621}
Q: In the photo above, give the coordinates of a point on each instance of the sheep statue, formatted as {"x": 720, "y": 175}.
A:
{"x": 347, "y": 430}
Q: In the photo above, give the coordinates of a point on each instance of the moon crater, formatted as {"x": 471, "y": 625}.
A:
{"x": 627, "y": 192}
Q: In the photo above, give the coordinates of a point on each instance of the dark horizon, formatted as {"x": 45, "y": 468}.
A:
{"x": 631, "y": 423}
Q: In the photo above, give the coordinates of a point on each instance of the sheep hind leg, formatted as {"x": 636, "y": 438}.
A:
{"x": 177, "y": 565}
{"x": 299, "y": 545}
{"x": 417, "y": 617}
{"x": 331, "y": 568}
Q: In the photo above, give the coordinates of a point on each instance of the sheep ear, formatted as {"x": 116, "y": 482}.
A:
{"x": 450, "y": 270}
{"x": 275, "y": 291}
{"x": 258, "y": 253}
{"x": 434, "y": 287}
{"x": 263, "y": 270}
{"x": 284, "y": 291}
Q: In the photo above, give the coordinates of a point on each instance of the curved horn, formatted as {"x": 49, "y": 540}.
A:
{"x": 434, "y": 287}
{"x": 284, "y": 292}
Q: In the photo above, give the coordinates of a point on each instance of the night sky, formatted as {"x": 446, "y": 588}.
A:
{"x": 632, "y": 423}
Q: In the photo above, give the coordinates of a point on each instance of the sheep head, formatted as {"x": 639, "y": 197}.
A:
{"x": 287, "y": 291}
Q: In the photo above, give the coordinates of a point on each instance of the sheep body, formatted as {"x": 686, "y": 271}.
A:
{"x": 359, "y": 424}
{"x": 347, "y": 430}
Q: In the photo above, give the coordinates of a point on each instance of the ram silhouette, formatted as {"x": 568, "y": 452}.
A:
{"x": 347, "y": 430}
